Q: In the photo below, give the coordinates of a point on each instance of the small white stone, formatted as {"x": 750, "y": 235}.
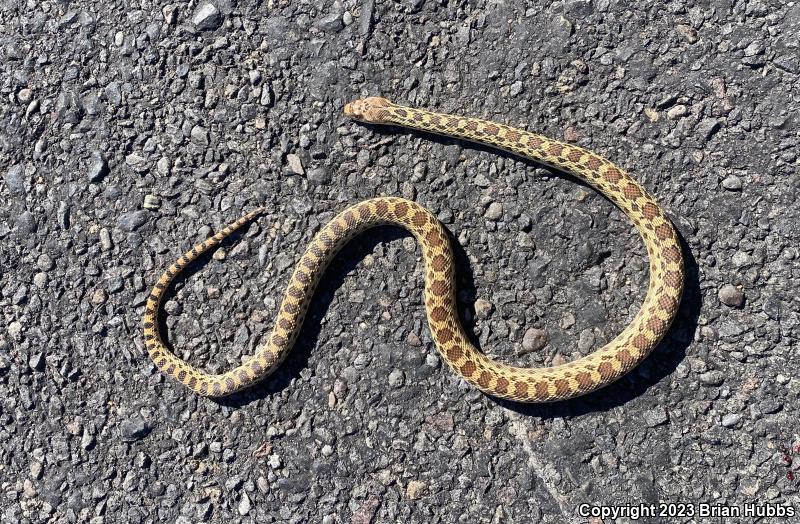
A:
{"x": 163, "y": 166}
{"x": 494, "y": 212}
{"x": 14, "y": 329}
{"x": 432, "y": 360}
{"x": 295, "y": 164}
{"x": 207, "y": 16}
{"x": 24, "y": 95}
{"x": 40, "y": 280}
{"x": 274, "y": 461}
{"x": 396, "y": 378}
{"x": 676, "y": 111}
{"x": 244, "y": 505}
{"x": 731, "y": 420}
{"x": 415, "y": 489}
{"x": 483, "y": 308}
{"x": 151, "y": 202}
{"x": 732, "y": 183}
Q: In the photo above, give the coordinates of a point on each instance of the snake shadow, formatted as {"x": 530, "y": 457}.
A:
{"x": 662, "y": 362}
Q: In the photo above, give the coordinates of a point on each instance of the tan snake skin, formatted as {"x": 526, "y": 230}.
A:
{"x": 579, "y": 377}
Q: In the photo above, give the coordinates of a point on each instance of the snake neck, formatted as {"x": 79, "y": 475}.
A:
{"x": 484, "y": 132}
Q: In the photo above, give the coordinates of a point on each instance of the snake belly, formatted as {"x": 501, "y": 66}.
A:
{"x": 572, "y": 379}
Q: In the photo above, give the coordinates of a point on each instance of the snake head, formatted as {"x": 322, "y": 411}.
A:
{"x": 372, "y": 110}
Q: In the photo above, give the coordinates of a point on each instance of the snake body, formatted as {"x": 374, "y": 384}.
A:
{"x": 572, "y": 379}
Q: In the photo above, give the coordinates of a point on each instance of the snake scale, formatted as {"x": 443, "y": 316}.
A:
{"x": 572, "y": 379}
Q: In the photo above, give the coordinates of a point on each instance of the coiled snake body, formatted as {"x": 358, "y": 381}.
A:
{"x": 572, "y": 379}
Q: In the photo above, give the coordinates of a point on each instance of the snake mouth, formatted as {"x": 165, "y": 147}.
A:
{"x": 371, "y": 110}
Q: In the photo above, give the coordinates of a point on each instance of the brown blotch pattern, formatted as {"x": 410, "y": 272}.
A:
{"x": 584, "y": 379}
{"x": 656, "y": 325}
{"x": 672, "y": 254}
{"x": 542, "y": 389}
{"x": 555, "y": 149}
{"x": 419, "y": 218}
{"x": 364, "y": 212}
{"x": 613, "y": 174}
{"x": 502, "y": 384}
{"x": 666, "y": 302}
{"x": 440, "y": 288}
{"x": 438, "y": 314}
{"x": 640, "y": 342}
{"x": 401, "y": 209}
{"x": 632, "y": 191}
{"x": 663, "y": 231}
{"x": 534, "y": 141}
{"x": 468, "y": 368}
{"x": 649, "y": 210}
{"x": 575, "y": 155}
{"x": 520, "y": 388}
{"x": 673, "y": 279}
{"x": 623, "y": 356}
{"x": 454, "y": 353}
{"x": 593, "y": 162}
{"x": 439, "y": 262}
{"x": 382, "y": 208}
{"x": 562, "y": 387}
{"x": 290, "y": 308}
{"x": 445, "y": 335}
{"x": 433, "y": 239}
{"x": 606, "y": 370}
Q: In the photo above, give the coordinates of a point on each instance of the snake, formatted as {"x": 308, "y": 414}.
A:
{"x": 530, "y": 385}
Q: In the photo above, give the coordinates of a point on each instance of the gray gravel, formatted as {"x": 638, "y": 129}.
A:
{"x": 130, "y": 132}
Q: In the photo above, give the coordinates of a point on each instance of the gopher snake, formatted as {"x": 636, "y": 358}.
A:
{"x": 579, "y": 377}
